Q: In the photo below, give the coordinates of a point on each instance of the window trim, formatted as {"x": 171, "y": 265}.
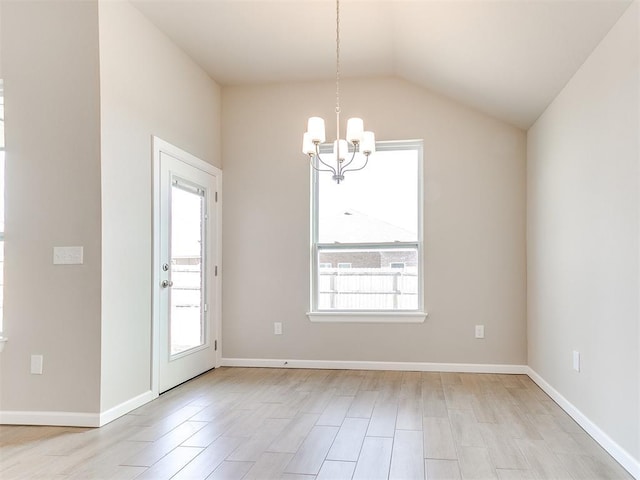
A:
{"x": 370, "y": 316}
{"x": 377, "y": 316}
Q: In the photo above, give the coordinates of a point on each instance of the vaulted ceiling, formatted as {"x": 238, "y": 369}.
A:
{"x": 507, "y": 58}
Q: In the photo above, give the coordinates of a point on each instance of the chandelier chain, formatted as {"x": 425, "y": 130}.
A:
{"x": 337, "y": 56}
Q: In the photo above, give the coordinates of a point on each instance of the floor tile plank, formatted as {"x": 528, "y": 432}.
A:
{"x": 475, "y": 463}
{"x": 442, "y": 469}
{"x": 362, "y": 405}
{"x": 336, "y": 470}
{"x": 383, "y": 419}
{"x": 313, "y": 451}
{"x": 158, "y": 449}
{"x": 347, "y": 444}
{"x": 510, "y": 474}
{"x": 230, "y": 471}
{"x": 252, "y": 448}
{"x": 438, "y": 439}
{"x": 407, "y": 456}
{"x": 270, "y": 465}
{"x": 503, "y": 451}
{"x": 541, "y": 459}
{"x": 375, "y": 459}
{"x": 170, "y": 464}
{"x": 465, "y": 428}
{"x": 335, "y": 411}
{"x": 210, "y": 458}
{"x": 296, "y": 432}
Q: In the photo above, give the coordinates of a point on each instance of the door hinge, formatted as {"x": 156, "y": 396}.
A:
{"x": 216, "y": 197}
{"x": 215, "y": 345}
{"x": 206, "y": 307}
{"x": 216, "y": 271}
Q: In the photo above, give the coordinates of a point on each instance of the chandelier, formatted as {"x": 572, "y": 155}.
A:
{"x": 357, "y": 140}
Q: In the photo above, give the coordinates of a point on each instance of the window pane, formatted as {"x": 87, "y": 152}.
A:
{"x": 376, "y": 205}
{"x": 1, "y": 115}
{"x": 371, "y": 282}
{"x": 1, "y": 205}
{"x": 187, "y": 302}
{"x": 1, "y": 283}
{"x": 2, "y": 192}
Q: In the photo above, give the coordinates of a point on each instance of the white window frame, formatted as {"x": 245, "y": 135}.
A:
{"x": 3, "y": 164}
{"x": 370, "y": 316}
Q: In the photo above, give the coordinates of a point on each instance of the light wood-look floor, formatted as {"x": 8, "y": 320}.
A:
{"x": 235, "y": 423}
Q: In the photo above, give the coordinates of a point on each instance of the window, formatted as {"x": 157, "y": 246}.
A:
{"x": 370, "y": 227}
{"x": 1, "y": 205}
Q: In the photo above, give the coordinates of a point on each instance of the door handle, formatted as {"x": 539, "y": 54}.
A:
{"x": 166, "y": 283}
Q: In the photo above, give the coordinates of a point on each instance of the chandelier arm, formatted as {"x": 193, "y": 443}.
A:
{"x": 349, "y": 162}
{"x": 359, "y": 168}
{"x": 329, "y": 167}
{"x": 332, "y": 169}
{"x": 321, "y": 169}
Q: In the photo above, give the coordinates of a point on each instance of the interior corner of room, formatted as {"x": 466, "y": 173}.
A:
{"x": 531, "y": 215}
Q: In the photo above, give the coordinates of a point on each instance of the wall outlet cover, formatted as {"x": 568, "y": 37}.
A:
{"x": 576, "y": 360}
{"x": 36, "y": 364}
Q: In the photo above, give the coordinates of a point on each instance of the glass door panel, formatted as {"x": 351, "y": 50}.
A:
{"x": 187, "y": 302}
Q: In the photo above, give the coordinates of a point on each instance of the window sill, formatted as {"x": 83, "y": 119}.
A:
{"x": 367, "y": 317}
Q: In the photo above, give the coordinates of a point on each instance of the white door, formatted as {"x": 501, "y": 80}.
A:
{"x": 186, "y": 272}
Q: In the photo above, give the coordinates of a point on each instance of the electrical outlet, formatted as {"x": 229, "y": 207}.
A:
{"x": 277, "y": 328}
{"x": 479, "y": 331}
{"x": 576, "y": 360}
{"x": 36, "y": 364}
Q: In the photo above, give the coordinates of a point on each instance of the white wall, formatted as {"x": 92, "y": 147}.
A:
{"x": 474, "y": 226}
{"x": 148, "y": 87}
{"x": 1, "y": 75}
{"x": 50, "y": 67}
{"x": 87, "y": 84}
{"x": 583, "y": 240}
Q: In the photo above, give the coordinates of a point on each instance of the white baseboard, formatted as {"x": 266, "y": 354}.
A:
{"x": 125, "y": 407}
{"x": 623, "y": 457}
{"x": 74, "y": 419}
{"x": 58, "y": 419}
{"x": 357, "y": 365}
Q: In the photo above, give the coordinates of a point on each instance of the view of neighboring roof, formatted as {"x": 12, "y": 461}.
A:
{"x": 352, "y": 226}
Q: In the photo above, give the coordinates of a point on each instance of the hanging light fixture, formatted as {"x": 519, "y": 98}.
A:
{"x": 357, "y": 140}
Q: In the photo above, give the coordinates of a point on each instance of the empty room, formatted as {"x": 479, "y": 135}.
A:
{"x": 320, "y": 239}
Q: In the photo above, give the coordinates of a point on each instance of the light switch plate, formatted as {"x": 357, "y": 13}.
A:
{"x": 68, "y": 255}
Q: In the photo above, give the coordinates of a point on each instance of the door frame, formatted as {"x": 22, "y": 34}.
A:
{"x": 161, "y": 146}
